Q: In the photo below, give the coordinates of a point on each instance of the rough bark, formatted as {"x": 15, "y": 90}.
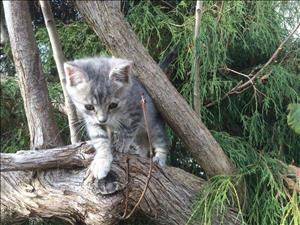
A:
{"x": 42, "y": 127}
{"x": 197, "y": 79}
{"x": 61, "y": 193}
{"x": 59, "y": 60}
{"x": 3, "y": 29}
{"x": 119, "y": 38}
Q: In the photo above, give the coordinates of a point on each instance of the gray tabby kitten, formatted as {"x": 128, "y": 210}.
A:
{"x": 108, "y": 98}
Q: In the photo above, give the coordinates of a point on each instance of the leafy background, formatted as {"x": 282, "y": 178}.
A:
{"x": 258, "y": 128}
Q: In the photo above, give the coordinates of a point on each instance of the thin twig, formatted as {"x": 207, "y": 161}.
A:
{"x": 236, "y": 72}
{"x": 143, "y": 102}
{"x": 59, "y": 59}
{"x": 126, "y": 189}
{"x": 272, "y": 57}
{"x": 197, "y": 101}
{"x": 220, "y": 13}
{"x": 241, "y": 87}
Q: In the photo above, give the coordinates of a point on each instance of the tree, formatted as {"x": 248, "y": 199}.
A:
{"x": 175, "y": 216}
{"x": 42, "y": 127}
{"x": 59, "y": 60}
{"x": 197, "y": 78}
{"x": 3, "y": 30}
{"x": 170, "y": 103}
{"x": 168, "y": 199}
{"x": 244, "y": 93}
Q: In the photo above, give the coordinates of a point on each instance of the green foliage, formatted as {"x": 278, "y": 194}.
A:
{"x": 6, "y": 62}
{"x": 77, "y": 41}
{"x": 56, "y": 97}
{"x": 14, "y": 130}
{"x": 268, "y": 201}
{"x": 293, "y": 118}
{"x": 213, "y": 201}
{"x": 266, "y": 191}
{"x": 253, "y": 127}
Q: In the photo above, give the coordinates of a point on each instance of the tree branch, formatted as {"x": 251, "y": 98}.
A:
{"x": 77, "y": 155}
{"x": 119, "y": 38}
{"x": 62, "y": 193}
{"x": 197, "y": 76}
{"x": 242, "y": 86}
{"x": 59, "y": 60}
{"x": 220, "y": 13}
{"x": 42, "y": 127}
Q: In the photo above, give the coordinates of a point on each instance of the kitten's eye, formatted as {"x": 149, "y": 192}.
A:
{"x": 89, "y": 107}
{"x": 113, "y": 105}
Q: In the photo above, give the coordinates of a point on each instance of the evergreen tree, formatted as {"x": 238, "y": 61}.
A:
{"x": 237, "y": 38}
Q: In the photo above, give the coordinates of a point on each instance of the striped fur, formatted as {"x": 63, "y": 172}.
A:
{"x": 108, "y": 98}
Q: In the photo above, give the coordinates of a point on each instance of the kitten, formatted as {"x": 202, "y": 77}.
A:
{"x": 109, "y": 98}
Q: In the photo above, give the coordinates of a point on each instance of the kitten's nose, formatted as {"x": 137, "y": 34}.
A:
{"x": 102, "y": 120}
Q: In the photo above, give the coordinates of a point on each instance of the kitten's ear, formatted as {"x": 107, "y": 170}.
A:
{"x": 120, "y": 73}
{"x": 74, "y": 75}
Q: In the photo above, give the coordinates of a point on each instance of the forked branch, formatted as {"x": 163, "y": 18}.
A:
{"x": 242, "y": 86}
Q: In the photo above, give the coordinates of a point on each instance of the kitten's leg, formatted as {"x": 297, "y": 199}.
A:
{"x": 101, "y": 164}
{"x": 141, "y": 144}
{"x": 159, "y": 144}
{"x": 160, "y": 156}
{"x": 127, "y": 135}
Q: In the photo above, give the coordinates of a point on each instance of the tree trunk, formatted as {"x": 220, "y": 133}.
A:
{"x": 119, "y": 38}
{"x": 3, "y": 30}
{"x": 197, "y": 98}
{"x": 59, "y": 60}
{"x": 41, "y": 123}
{"x": 61, "y": 193}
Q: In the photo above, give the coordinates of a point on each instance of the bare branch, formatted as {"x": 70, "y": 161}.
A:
{"x": 63, "y": 157}
{"x": 237, "y": 72}
{"x": 242, "y": 86}
{"x": 220, "y": 13}
{"x": 275, "y": 54}
{"x": 168, "y": 199}
{"x": 59, "y": 60}
{"x": 197, "y": 76}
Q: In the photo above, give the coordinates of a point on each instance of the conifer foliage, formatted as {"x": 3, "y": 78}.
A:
{"x": 258, "y": 126}
{"x": 237, "y": 38}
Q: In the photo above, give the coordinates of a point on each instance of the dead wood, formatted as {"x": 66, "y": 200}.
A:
{"x": 60, "y": 192}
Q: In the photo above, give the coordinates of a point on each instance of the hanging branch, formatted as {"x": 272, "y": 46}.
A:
{"x": 242, "y": 86}
{"x": 197, "y": 79}
{"x": 59, "y": 60}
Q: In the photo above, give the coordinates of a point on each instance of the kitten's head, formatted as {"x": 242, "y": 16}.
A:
{"x": 99, "y": 87}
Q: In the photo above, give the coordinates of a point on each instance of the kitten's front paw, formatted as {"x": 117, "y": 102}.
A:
{"x": 160, "y": 158}
{"x": 108, "y": 185}
{"x": 100, "y": 167}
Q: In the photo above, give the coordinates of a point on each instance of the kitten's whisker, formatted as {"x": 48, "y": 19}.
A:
{"x": 80, "y": 129}
{"x": 81, "y": 125}
{"x": 77, "y": 122}
{"x": 99, "y": 96}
